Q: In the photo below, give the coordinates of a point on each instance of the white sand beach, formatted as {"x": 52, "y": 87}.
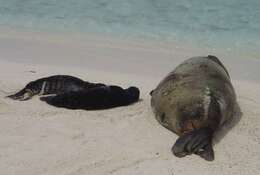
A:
{"x": 38, "y": 139}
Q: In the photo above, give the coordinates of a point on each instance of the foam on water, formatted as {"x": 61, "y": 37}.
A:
{"x": 219, "y": 23}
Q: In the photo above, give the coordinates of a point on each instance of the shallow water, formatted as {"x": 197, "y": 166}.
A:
{"x": 232, "y": 24}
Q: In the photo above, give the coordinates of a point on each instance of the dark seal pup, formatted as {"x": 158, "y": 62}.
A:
{"x": 56, "y": 84}
{"x": 193, "y": 101}
{"x": 102, "y": 97}
{"x": 74, "y": 93}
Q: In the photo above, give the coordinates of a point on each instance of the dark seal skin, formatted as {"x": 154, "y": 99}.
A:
{"x": 56, "y": 84}
{"x": 194, "y": 101}
{"x": 73, "y": 93}
{"x": 102, "y": 97}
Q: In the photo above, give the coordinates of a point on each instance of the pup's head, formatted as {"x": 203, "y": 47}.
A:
{"x": 133, "y": 93}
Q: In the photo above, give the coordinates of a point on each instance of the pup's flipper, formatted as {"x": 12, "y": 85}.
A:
{"x": 22, "y": 95}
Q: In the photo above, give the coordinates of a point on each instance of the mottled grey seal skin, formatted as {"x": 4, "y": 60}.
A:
{"x": 194, "y": 101}
{"x": 56, "y": 84}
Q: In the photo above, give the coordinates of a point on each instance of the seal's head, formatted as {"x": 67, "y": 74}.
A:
{"x": 133, "y": 93}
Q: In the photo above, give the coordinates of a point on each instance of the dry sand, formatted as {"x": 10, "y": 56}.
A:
{"x": 44, "y": 140}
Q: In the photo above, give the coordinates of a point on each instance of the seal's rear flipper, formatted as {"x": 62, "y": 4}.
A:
{"x": 21, "y": 95}
{"x": 206, "y": 153}
{"x": 198, "y": 142}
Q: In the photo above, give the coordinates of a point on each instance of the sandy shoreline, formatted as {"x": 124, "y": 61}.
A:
{"x": 40, "y": 139}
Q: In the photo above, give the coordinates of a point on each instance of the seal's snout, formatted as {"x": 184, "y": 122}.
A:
{"x": 196, "y": 142}
{"x": 133, "y": 92}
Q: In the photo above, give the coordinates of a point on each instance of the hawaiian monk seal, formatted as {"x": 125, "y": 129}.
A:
{"x": 193, "y": 101}
{"x": 74, "y": 93}
{"x": 53, "y": 85}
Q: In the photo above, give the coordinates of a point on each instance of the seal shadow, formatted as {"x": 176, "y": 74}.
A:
{"x": 223, "y": 130}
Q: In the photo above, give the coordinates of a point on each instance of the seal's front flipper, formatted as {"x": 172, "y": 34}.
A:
{"x": 74, "y": 100}
{"x": 48, "y": 99}
{"x": 22, "y": 95}
{"x": 61, "y": 100}
{"x": 198, "y": 142}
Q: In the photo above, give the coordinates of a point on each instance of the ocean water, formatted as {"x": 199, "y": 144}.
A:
{"x": 229, "y": 24}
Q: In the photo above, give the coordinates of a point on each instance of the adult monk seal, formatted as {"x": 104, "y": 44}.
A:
{"x": 73, "y": 93}
{"x": 193, "y": 101}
